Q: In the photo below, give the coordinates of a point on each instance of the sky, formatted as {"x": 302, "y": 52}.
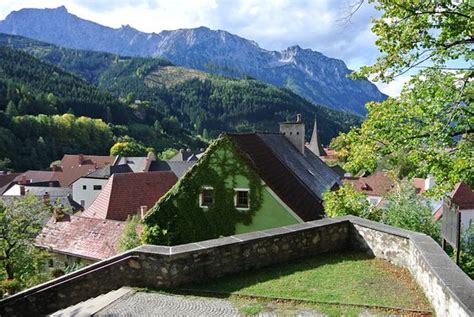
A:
{"x": 320, "y": 25}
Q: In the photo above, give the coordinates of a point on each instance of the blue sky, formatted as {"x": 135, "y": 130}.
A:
{"x": 274, "y": 24}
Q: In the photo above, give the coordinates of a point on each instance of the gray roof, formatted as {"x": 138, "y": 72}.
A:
{"x": 136, "y": 163}
{"x": 309, "y": 168}
{"x": 63, "y": 201}
{"x": 52, "y": 191}
{"x": 106, "y": 171}
{"x": 177, "y": 167}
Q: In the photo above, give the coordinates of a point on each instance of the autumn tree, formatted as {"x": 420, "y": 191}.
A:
{"x": 431, "y": 123}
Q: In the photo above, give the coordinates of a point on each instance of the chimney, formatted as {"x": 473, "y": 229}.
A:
{"x": 23, "y": 180}
{"x": 22, "y": 190}
{"x": 149, "y": 159}
{"x": 294, "y": 132}
{"x": 81, "y": 159}
{"x": 429, "y": 182}
{"x": 143, "y": 210}
{"x": 46, "y": 198}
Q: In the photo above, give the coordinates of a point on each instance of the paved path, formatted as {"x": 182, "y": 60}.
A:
{"x": 155, "y": 304}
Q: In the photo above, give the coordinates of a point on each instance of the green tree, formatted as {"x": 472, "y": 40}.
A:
{"x": 167, "y": 154}
{"x": 347, "y": 201}
{"x": 405, "y": 209}
{"x": 11, "y": 109}
{"x": 431, "y": 123}
{"x": 21, "y": 220}
{"x": 130, "y": 238}
{"x": 128, "y": 148}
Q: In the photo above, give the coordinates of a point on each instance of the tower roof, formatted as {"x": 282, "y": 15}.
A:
{"x": 314, "y": 145}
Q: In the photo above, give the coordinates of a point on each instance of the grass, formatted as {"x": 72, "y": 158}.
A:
{"x": 345, "y": 278}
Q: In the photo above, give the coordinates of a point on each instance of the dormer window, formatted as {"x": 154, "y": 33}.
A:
{"x": 242, "y": 198}
{"x": 206, "y": 198}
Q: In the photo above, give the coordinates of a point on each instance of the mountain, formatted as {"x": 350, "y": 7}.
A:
{"x": 202, "y": 103}
{"x": 310, "y": 74}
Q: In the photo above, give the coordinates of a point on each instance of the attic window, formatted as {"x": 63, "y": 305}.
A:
{"x": 206, "y": 198}
{"x": 242, "y": 198}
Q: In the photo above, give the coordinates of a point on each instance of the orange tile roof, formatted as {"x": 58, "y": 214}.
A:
{"x": 94, "y": 239}
{"x": 74, "y": 167}
{"x": 125, "y": 193}
{"x": 377, "y": 184}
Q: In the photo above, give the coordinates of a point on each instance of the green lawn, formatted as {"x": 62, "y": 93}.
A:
{"x": 346, "y": 278}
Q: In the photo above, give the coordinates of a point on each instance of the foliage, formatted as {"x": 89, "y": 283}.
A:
{"x": 128, "y": 148}
{"x": 40, "y": 139}
{"x": 20, "y": 222}
{"x": 130, "y": 238}
{"x": 73, "y": 267}
{"x": 405, "y": 209}
{"x": 177, "y": 217}
{"x": 431, "y": 124}
{"x": 347, "y": 201}
{"x": 31, "y": 91}
{"x": 418, "y": 137}
{"x": 167, "y": 154}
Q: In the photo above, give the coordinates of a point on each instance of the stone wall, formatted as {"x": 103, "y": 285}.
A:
{"x": 449, "y": 290}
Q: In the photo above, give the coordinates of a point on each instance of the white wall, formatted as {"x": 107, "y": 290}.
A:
{"x": 467, "y": 215}
{"x": 87, "y": 195}
{"x": 13, "y": 191}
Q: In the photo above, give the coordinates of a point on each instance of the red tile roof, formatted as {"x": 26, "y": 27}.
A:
{"x": 125, "y": 193}
{"x": 7, "y": 178}
{"x": 377, "y": 184}
{"x": 74, "y": 167}
{"x": 94, "y": 239}
{"x": 463, "y": 196}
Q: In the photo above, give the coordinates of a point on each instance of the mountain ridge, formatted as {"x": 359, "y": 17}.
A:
{"x": 312, "y": 75}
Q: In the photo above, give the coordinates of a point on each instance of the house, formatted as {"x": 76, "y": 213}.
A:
{"x": 73, "y": 167}
{"x": 462, "y": 198}
{"x": 31, "y": 178}
{"x": 377, "y": 185}
{"x": 186, "y": 155}
{"x": 179, "y": 168}
{"x": 137, "y": 164}
{"x": 128, "y": 194}
{"x": 57, "y": 196}
{"x": 246, "y": 182}
{"x": 86, "y": 189}
{"x": 79, "y": 240}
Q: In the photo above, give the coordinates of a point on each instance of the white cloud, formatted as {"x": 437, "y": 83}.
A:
{"x": 393, "y": 88}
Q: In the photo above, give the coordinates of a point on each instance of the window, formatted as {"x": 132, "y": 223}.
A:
{"x": 50, "y": 263}
{"x": 84, "y": 187}
{"x": 206, "y": 197}
{"x": 83, "y": 202}
{"x": 242, "y": 199}
{"x": 97, "y": 187}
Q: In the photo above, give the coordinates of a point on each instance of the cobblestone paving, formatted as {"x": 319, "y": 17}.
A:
{"x": 153, "y": 304}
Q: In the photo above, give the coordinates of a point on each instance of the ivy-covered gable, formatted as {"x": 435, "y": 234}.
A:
{"x": 178, "y": 217}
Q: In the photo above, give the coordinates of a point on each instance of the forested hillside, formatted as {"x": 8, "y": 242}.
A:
{"x": 147, "y": 99}
{"x": 46, "y": 112}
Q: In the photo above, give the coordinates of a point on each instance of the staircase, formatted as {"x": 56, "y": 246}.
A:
{"x": 93, "y": 305}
